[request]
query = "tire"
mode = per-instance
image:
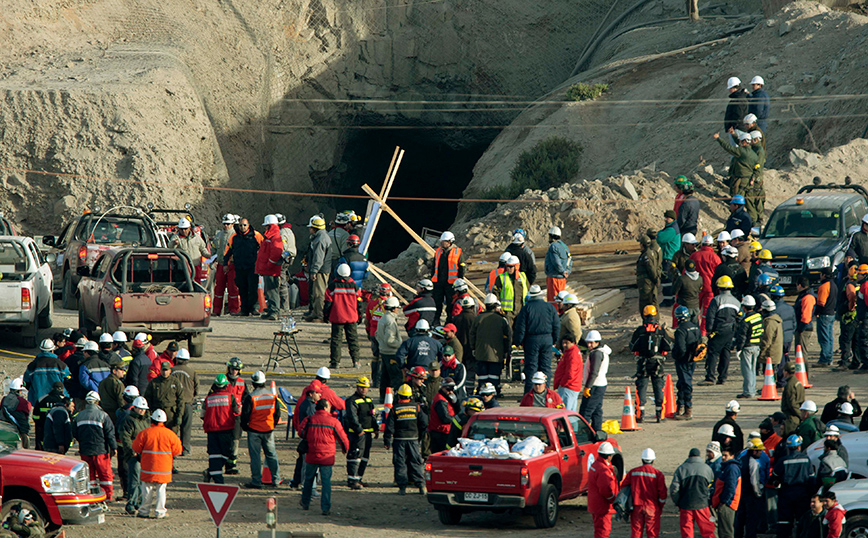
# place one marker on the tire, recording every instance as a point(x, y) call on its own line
point(68, 299)
point(45, 320)
point(27, 505)
point(856, 527)
point(449, 516)
point(196, 345)
point(545, 514)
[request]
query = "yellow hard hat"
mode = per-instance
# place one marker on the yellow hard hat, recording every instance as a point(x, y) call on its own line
point(755, 246)
point(649, 310)
point(363, 382)
point(755, 444)
point(724, 282)
point(475, 404)
point(862, 269)
point(764, 254)
point(405, 391)
point(317, 223)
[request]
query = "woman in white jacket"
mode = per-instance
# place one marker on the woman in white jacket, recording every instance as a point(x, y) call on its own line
point(594, 380)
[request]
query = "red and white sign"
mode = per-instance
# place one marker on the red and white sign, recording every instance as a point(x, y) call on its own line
point(218, 499)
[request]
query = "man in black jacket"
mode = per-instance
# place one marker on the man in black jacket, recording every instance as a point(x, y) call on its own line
point(242, 251)
point(687, 338)
point(536, 330)
point(361, 428)
point(688, 211)
point(737, 107)
point(732, 409)
point(526, 258)
point(137, 373)
point(650, 345)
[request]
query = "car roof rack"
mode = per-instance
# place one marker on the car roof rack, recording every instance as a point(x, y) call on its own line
point(835, 186)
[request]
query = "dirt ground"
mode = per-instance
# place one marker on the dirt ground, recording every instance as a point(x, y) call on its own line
point(378, 508)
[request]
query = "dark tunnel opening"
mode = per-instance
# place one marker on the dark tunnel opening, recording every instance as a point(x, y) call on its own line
point(431, 168)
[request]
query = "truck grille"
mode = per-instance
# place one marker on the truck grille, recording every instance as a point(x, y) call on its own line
point(789, 266)
point(80, 472)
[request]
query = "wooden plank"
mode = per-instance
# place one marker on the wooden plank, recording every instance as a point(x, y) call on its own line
point(384, 192)
point(385, 207)
point(376, 272)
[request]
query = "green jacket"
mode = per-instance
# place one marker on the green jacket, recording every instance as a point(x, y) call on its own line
point(811, 429)
point(761, 164)
point(648, 266)
point(793, 397)
point(132, 426)
point(744, 162)
point(669, 240)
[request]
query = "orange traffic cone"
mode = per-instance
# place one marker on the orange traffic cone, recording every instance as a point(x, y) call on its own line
point(260, 290)
point(387, 407)
point(266, 476)
point(628, 416)
point(770, 391)
point(669, 398)
point(801, 370)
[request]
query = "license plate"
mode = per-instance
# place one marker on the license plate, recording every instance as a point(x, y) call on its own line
point(100, 518)
point(786, 280)
point(476, 497)
point(162, 326)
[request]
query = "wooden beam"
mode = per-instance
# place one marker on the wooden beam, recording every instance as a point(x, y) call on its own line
point(381, 272)
point(387, 188)
point(384, 192)
point(376, 272)
point(370, 192)
point(389, 172)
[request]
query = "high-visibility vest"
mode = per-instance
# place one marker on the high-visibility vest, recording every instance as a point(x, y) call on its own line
point(238, 389)
point(218, 412)
point(158, 445)
point(451, 262)
point(755, 321)
point(507, 293)
point(262, 415)
point(492, 276)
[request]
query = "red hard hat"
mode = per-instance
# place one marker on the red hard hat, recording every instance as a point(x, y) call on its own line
point(353, 239)
point(420, 372)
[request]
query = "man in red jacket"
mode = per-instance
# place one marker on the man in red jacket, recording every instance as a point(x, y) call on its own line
point(320, 385)
point(706, 260)
point(166, 356)
point(219, 412)
point(568, 375)
point(321, 431)
point(269, 264)
point(834, 520)
point(602, 488)
point(542, 396)
point(341, 309)
point(648, 490)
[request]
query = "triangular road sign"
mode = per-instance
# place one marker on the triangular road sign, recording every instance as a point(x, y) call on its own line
point(218, 499)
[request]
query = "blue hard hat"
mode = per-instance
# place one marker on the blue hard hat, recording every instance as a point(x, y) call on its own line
point(737, 200)
point(682, 312)
point(520, 231)
point(794, 441)
point(777, 291)
point(764, 279)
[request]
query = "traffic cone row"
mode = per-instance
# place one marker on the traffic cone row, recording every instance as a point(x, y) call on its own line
point(628, 416)
point(770, 391)
point(669, 398)
point(801, 370)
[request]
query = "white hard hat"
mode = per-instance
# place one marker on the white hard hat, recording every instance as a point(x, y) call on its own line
point(732, 252)
point(732, 82)
point(689, 238)
point(183, 354)
point(831, 429)
point(159, 416)
point(571, 299)
point(183, 224)
point(119, 336)
point(538, 378)
point(269, 219)
point(447, 236)
point(344, 270)
point(756, 135)
point(487, 388)
point(92, 397)
point(750, 118)
point(17, 384)
point(648, 455)
point(846, 408)
point(735, 234)
point(422, 325)
point(504, 257)
point(724, 236)
point(726, 430)
point(141, 337)
point(106, 338)
point(140, 403)
point(459, 284)
point(754, 435)
point(769, 305)
point(733, 407)
point(559, 298)
point(707, 240)
point(281, 218)
point(865, 219)
point(535, 291)
point(90, 345)
point(228, 218)
point(131, 391)
point(758, 80)
point(425, 284)
point(47, 345)
point(743, 136)
point(491, 299)
point(554, 230)
point(513, 260)
point(592, 336)
point(606, 449)
point(258, 377)
point(517, 239)
point(809, 406)
point(392, 302)
point(324, 373)
point(468, 302)
point(748, 301)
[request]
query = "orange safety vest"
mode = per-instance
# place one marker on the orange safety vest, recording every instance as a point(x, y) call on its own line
point(262, 415)
point(492, 277)
point(451, 262)
point(157, 445)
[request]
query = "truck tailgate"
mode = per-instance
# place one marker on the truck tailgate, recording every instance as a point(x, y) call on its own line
point(169, 309)
point(489, 475)
point(10, 296)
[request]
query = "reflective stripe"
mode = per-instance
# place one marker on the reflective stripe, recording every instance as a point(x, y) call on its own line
point(154, 452)
point(155, 472)
point(421, 309)
point(643, 473)
point(344, 290)
point(727, 305)
point(89, 423)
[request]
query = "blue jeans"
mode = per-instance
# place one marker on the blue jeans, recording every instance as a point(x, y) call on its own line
point(256, 444)
point(570, 398)
point(824, 337)
point(134, 469)
point(537, 358)
point(325, 476)
point(748, 360)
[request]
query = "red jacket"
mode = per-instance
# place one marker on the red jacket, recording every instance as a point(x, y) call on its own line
point(269, 259)
point(342, 301)
point(338, 403)
point(569, 371)
point(706, 260)
point(834, 521)
point(373, 312)
point(647, 485)
point(157, 363)
point(220, 411)
point(602, 487)
point(321, 430)
point(679, 198)
point(552, 398)
point(151, 352)
point(435, 423)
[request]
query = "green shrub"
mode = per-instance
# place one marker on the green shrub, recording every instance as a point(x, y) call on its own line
point(586, 92)
point(550, 163)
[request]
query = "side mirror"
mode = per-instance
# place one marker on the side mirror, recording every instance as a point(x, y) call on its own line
point(601, 436)
point(83, 270)
point(48, 240)
point(51, 257)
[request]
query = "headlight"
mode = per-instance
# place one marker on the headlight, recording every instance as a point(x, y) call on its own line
point(57, 483)
point(819, 263)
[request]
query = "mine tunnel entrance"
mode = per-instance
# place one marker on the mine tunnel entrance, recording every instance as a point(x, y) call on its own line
point(432, 168)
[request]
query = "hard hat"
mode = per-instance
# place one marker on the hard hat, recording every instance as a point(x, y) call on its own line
point(726, 430)
point(491, 299)
point(459, 285)
point(422, 325)
point(865, 218)
point(92, 397)
point(344, 217)
point(862, 269)
point(392, 302)
point(707, 240)
point(756, 135)
point(258, 377)
point(520, 231)
point(723, 236)
point(517, 239)
point(425, 284)
point(140, 403)
point(777, 291)
point(571, 299)
point(757, 80)
point(504, 257)
point(269, 220)
point(419, 371)
point(764, 254)
point(794, 441)
point(592, 336)
point(831, 429)
point(363, 382)
point(221, 380)
point(732, 82)
point(344, 270)
point(729, 251)
point(846, 408)
point(606, 449)
point(769, 305)
point(323, 372)
point(317, 223)
point(47, 345)
point(159, 416)
point(447, 236)
point(689, 238)
point(81, 342)
point(228, 218)
point(648, 455)
point(513, 260)
point(90, 345)
point(735, 234)
point(555, 231)
point(405, 391)
point(234, 362)
point(385, 288)
point(682, 312)
point(559, 298)
point(353, 240)
point(474, 404)
point(755, 444)
point(649, 310)
point(183, 355)
point(733, 407)
point(809, 406)
point(281, 218)
point(183, 224)
point(534, 291)
point(680, 180)
point(17, 384)
point(131, 391)
point(487, 388)
point(538, 378)
point(738, 199)
point(468, 302)
point(24, 515)
point(447, 382)
point(141, 339)
point(748, 301)
point(106, 338)
point(119, 336)
point(743, 136)
point(764, 279)
point(750, 118)
point(755, 246)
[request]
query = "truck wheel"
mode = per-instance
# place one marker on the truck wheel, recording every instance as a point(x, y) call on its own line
point(545, 515)
point(449, 516)
point(856, 527)
point(45, 320)
point(26, 505)
point(68, 299)
point(196, 345)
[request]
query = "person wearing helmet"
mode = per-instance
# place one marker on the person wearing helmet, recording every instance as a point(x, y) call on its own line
point(488, 394)
point(688, 247)
point(690, 491)
point(788, 317)
point(732, 269)
point(686, 290)
point(810, 428)
point(57, 435)
point(491, 343)
point(848, 311)
point(219, 413)
point(569, 374)
point(804, 307)
point(772, 339)
point(688, 210)
point(388, 339)
point(95, 368)
point(762, 266)
point(121, 415)
point(43, 408)
point(43, 372)
point(497, 271)
point(511, 289)
point(755, 194)
point(190, 243)
point(737, 105)
point(269, 266)
point(792, 399)
point(319, 258)
point(338, 235)
point(289, 253)
point(447, 266)
point(602, 489)
point(558, 264)
point(119, 346)
point(459, 293)
point(341, 309)
point(166, 392)
point(748, 334)
point(540, 395)
point(239, 389)
point(361, 426)
point(648, 272)
point(260, 413)
point(738, 217)
point(462, 322)
point(404, 425)
point(687, 339)
point(843, 419)
point(319, 385)
point(224, 274)
point(669, 240)
point(743, 161)
point(827, 307)
point(650, 345)
point(706, 260)
point(156, 446)
point(111, 389)
point(16, 410)
point(536, 330)
point(374, 310)
point(135, 422)
point(189, 380)
point(648, 492)
point(470, 407)
point(418, 350)
point(794, 475)
point(594, 380)
point(571, 323)
point(526, 259)
point(720, 322)
point(443, 408)
point(758, 103)
point(679, 182)
point(168, 355)
point(422, 306)
point(741, 243)
point(95, 433)
point(416, 378)
point(357, 262)
point(726, 431)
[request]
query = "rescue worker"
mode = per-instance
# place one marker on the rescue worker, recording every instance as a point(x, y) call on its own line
point(762, 267)
point(355, 260)
point(119, 346)
point(16, 410)
point(111, 389)
point(190, 243)
point(289, 253)
point(859, 242)
point(720, 321)
point(511, 288)
point(319, 256)
point(602, 489)
point(341, 309)
point(741, 243)
point(43, 408)
point(669, 240)
point(416, 379)
point(742, 164)
point(845, 395)
point(448, 265)
point(688, 247)
point(388, 342)
point(732, 409)
point(497, 271)
point(827, 306)
point(442, 411)
point(22, 522)
point(772, 339)
point(322, 432)
point(455, 370)
point(804, 308)
point(540, 395)
point(469, 407)
point(95, 433)
point(810, 429)
point(491, 342)
point(687, 338)
point(156, 447)
point(648, 491)
point(755, 192)
point(403, 426)
point(536, 330)
point(706, 260)
point(57, 437)
point(320, 385)
point(687, 289)
point(691, 490)
point(738, 217)
point(568, 375)
point(571, 323)
point(526, 258)
point(418, 350)
point(727, 493)
point(167, 393)
point(748, 333)
point(731, 268)
point(758, 104)
point(755, 470)
point(688, 210)
point(260, 413)
point(94, 369)
point(135, 423)
point(650, 345)
point(463, 323)
point(847, 311)
point(241, 252)
point(189, 380)
point(488, 395)
point(558, 264)
point(421, 307)
point(788, 318)
point(269, 266)
point(224, 274)
point(73, 362)
point(832, 468)
point(647, 274)
point(219, 413)
point(374, 310)
point(238, 387)
point(594, 381)
point(792, 399)
point(795, 476)
point(737, 106)
point(459, 293)
point(43, 372)
point(361, 426)
point(338, 235)
point(168, 355)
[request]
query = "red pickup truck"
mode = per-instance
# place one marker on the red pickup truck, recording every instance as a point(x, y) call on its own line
point(457, 484)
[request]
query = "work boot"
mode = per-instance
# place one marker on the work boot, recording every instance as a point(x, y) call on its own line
point(354, 485)
point(679, 411)
point(706, 382)
point(232, 470)
point(402, 490)
point(422, 490)
point(640, 416)
point(658, 414)
point(688, 414)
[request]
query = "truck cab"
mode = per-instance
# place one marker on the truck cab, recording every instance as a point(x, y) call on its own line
point(26, 299)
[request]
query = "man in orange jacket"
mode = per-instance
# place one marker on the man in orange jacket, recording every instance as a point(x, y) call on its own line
point(602, 488)
point(260, 412)
point(156, 446)
point(648, 490)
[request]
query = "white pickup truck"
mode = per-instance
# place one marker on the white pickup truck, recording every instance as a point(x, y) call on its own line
point(26, 303)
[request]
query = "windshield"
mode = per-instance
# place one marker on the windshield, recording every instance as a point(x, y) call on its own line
point(797, 222)
point(12, 257)
point(153, 271)
point(113, 230)
point(513, 431)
